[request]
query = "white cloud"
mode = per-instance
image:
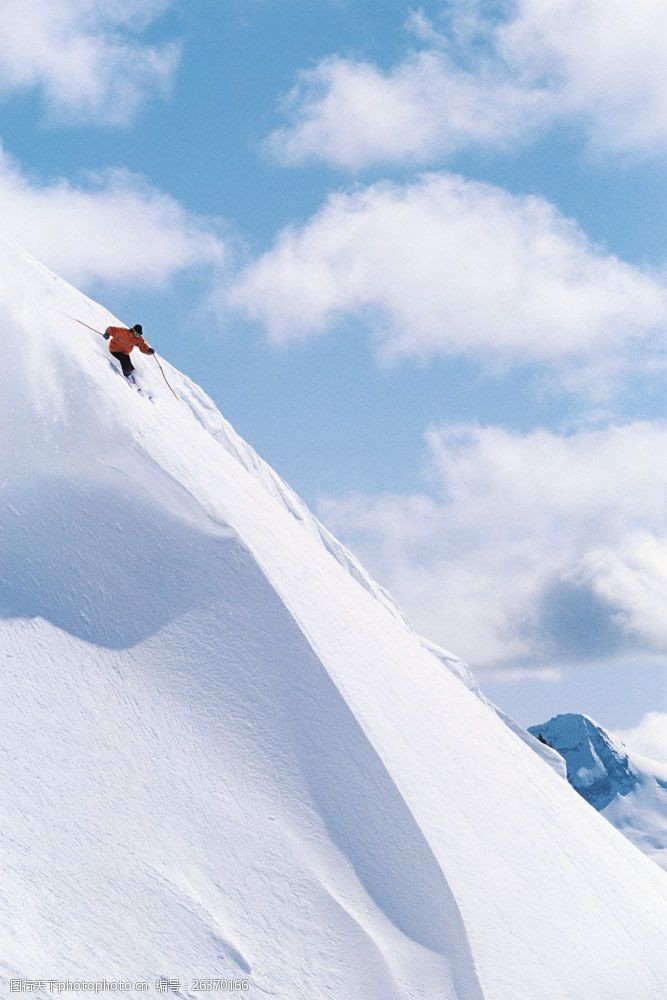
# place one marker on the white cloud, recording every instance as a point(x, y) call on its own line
point(604, 60)
point(648, 737)
point(483, 81)
point(445, 266)
point(509, 675)
point(352, 114)
point(632, 576)
point(85, 56)
point(538, 549)
point(116, 228)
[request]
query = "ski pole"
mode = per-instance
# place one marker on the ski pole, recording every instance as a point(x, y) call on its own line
point(164, 376)
point(84, 324)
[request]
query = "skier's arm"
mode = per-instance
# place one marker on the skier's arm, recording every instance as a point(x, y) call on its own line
point(144, 348)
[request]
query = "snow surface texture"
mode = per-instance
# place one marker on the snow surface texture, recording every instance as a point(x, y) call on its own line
point(630, 790)
point(222, 750)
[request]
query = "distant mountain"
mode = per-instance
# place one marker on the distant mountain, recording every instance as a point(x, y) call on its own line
point(630, 790)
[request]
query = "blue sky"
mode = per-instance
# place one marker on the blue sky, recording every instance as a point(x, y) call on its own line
point(417, 256)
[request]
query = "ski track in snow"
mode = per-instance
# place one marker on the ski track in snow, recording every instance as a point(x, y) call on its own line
point(223, 751)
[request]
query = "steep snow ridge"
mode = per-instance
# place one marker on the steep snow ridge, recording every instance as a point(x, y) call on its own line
point(630, 790)
point(460, 670)
point(222, 753)
point(208, 415)
point(53, 340)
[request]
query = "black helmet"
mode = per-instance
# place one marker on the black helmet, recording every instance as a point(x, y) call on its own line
point(138, 329)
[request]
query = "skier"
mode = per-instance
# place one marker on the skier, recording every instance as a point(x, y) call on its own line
point(122, 343)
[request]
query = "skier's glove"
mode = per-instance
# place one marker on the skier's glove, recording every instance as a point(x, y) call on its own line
point(151, 350)
point(106, 335)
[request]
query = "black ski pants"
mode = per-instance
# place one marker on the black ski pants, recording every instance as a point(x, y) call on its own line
point(125, 362)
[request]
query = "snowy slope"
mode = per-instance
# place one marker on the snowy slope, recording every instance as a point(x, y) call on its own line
point(630, 790)
point(222, 750)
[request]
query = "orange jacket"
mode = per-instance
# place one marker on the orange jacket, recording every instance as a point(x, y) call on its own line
point(122, 340)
